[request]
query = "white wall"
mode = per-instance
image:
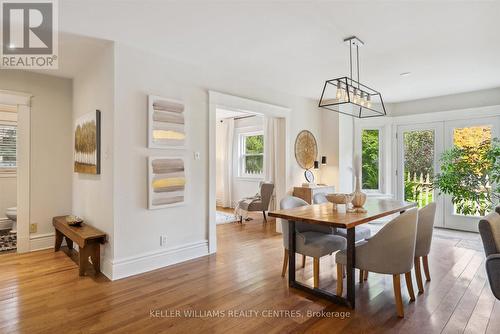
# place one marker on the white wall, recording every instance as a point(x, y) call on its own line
point(51, 145)
point(137, 230)
point(93, 196)
point(481, 98)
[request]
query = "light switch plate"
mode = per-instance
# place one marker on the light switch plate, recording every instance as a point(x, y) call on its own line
point(197, 155)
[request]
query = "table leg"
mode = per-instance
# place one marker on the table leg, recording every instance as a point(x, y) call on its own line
point(351, 262)
point(58, 241)
point(291, 252)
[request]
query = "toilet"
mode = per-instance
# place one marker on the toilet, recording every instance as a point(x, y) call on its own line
point(10, 213)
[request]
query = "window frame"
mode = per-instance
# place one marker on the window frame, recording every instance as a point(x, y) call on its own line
point(10, 171)
point(242, 154)
point(381, 170)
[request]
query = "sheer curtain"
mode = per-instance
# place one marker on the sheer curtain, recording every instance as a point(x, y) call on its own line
point(274, 154)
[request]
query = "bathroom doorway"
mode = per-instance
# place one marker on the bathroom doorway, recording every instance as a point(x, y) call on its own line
point(14, 171)
point(8, 178)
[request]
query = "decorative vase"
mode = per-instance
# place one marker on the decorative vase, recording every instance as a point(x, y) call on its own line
point(358, 197)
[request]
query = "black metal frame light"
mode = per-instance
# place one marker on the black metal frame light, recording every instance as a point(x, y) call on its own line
point(350, 97)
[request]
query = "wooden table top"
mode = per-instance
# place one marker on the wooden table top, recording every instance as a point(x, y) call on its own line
point(323, 213)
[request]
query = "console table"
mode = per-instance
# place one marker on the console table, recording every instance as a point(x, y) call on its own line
point(87, 238)
point(307, 193)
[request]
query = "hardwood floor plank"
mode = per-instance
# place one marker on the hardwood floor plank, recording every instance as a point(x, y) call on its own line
point(41, 292)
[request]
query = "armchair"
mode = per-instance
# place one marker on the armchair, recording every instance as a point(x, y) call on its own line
point(489, 229)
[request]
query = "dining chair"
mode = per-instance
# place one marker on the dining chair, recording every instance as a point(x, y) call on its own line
point(390, 251)
point(312, 240)
point(489, 229)
point(425, 227)
point(362, 232)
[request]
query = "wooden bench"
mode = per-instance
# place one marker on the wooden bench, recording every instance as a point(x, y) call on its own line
point(85, 236)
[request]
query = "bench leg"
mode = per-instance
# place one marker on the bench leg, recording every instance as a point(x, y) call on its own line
point(69, 242)
point(83, 259)
point(58, 241)
point(96, 258)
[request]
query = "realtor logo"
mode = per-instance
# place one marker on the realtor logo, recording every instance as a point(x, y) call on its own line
point(29, 34)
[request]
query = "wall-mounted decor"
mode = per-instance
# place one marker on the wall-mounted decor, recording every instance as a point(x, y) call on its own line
point(306, 149)
point(166, 182)
point(165, 123)
point(87, 154)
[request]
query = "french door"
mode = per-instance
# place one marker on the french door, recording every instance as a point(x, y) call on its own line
point(470, 133)
point(419, 148)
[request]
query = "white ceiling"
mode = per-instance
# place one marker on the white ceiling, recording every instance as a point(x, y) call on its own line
point(293, 46)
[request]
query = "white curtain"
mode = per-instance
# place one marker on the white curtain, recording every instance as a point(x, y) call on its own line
point(226, 164)
point(274, 154)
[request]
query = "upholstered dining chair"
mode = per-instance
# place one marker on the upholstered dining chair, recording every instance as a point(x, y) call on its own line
point(489, 229)
point(312, 240)
point(260, 202)
point(390, 251)
point(425, 227)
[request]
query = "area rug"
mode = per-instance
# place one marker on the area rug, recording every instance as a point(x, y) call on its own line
point(8, 242)
point(224, 218)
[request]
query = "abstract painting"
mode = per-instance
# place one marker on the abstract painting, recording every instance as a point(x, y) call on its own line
point(166, 123)
point(87, 154)
point(167, 182)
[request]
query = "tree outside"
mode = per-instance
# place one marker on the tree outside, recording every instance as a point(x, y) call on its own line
point(370, 159)
point(254, 154)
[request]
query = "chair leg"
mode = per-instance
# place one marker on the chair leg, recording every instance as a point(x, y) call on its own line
point(366, 275)
point(316, 272)
point(285, 263)
point(303, 261)
point(418, 275)
point(409, 285)
point(361, 275)
point(265, 219)
point(425, 262)
point(340, 279)
point(397, 295)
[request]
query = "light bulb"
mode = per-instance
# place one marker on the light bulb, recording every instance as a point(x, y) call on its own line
point(355, 97)
point(368, 101)
point(339, 95)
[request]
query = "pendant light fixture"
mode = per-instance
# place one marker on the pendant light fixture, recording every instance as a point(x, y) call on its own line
point(348, 96)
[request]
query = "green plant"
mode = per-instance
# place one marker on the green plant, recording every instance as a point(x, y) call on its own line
point(369, 158)
point(471, 175)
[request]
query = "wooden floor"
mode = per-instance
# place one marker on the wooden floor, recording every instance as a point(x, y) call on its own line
point(41, 293)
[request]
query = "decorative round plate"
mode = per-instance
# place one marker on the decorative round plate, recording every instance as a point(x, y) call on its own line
point(309, 176)
point(306, 149)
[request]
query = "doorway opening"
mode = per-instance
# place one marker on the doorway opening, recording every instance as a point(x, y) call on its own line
point(8, 178)
point(248, 160)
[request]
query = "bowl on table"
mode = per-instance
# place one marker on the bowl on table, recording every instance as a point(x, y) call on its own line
point(339, 199)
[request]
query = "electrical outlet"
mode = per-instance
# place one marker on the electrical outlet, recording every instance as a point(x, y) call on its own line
point(33, 227)
point(163, 240)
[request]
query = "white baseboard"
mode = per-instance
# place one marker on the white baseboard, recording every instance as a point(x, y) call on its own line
point(41, 241)
point(142, 263)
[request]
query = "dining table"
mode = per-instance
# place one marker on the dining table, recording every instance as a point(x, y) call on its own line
point(324, 214)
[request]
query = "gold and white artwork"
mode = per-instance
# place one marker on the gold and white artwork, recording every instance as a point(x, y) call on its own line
point(166, 123)
point(167, 182)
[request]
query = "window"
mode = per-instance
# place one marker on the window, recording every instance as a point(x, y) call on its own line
point(8, 139)
point(370, 159)
point(251, 154)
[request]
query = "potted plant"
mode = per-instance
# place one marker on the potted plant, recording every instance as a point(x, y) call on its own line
point(471, 176)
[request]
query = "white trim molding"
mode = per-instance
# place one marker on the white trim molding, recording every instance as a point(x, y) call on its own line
point(41, 241)
point(144, 262)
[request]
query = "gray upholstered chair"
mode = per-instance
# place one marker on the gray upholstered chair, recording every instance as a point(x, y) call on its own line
point(390, 251)
point(260, 202)
point(312, 240)
point(489, 228)
point(362, 232)
point(425, 227)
